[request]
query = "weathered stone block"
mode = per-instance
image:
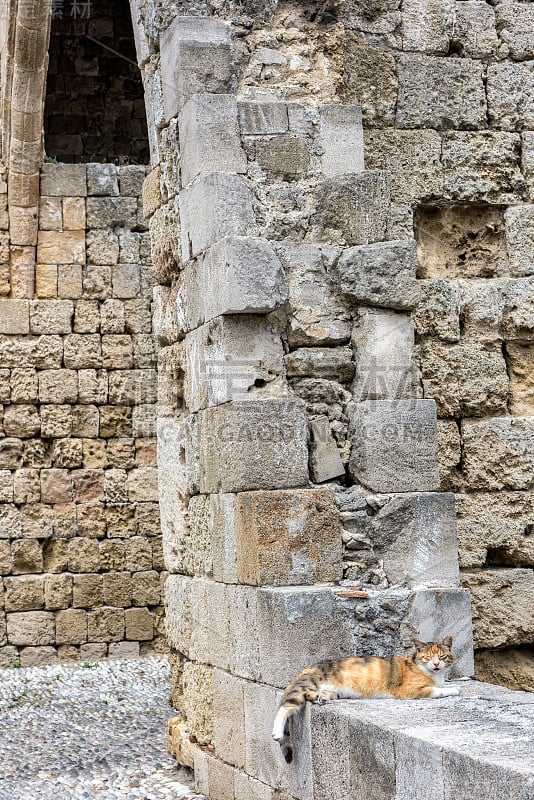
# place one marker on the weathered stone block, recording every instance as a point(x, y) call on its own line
point(139, 624)
point(230, 356)
point(370, 78)
point(31, 628)
point(27, 557)
point(260, 444)
point(57, 589)
point(46, 280)
point(209, 137)
point(56, 421)
point(59, 180)
point(482, 166)
point(394, 445)
point(102, 179)
point(108, 212)
point(229, 717)
point(106, 625)
point(519, 222)
point(61, 247)
point(71, 626)
point(357, 206)
point(213, 207)
point(514, 21)
point(22, 421)
point(437, 312)
point(507, 594)
point(51, 316)
point(15, 317)
point(474, 29)
point(341, 140)
point(102, 247)
point(257, 118)
point(58, 386)
point(498, 453)
point(24, 593)
point(321, 362)
point(383, 343)
point(73, 213)
point(465, 380)
point(263, 758)
point(412, 157)
point(286, 537)
point(424, 27)
point(285, 155)
point(325, 458)
point(196, 56)
point(440, 93)
point(381, 274)
point(511, 95)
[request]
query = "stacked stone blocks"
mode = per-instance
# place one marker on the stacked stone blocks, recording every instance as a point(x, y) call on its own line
point(80, 540)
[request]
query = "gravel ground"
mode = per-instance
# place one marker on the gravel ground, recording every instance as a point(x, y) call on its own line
point(92, 731)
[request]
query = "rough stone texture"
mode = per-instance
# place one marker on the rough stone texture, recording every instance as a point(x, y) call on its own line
point(381, 274)
point(482, 166)
point(394, 445)
point(355, 207)
point(383, 343)
point(497, 453)
point(412, 157)
point(509, 592)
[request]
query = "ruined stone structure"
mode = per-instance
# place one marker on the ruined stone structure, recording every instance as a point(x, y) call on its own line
point(341, 238)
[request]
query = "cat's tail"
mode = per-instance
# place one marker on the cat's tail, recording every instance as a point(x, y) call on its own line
point(303, 688)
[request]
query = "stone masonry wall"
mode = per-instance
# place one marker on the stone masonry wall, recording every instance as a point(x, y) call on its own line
point(80, 542)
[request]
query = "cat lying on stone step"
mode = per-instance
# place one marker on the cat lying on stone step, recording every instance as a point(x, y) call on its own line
point(422, 676)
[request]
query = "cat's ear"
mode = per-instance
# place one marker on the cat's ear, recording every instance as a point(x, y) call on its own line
point(418, 644)
point(447, 641)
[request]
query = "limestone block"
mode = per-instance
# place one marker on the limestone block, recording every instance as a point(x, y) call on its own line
point(261, 118)
point(126, 280)
point(229, 717)
point(102, 179)
point(230, 356)
point(56, 486)
point(106, 625)
point(412, 157)
point(214, 207)
point(263, 758)
point(285, 155)
point(15, 317)
point(22, 271)
point(24, 593)
point(527, 160)
point(238, 276)
point(325, 460)
point(394, 445)
point(320, 362)
point(318, 315)
point(50, 214)
point(438, 310)
point(474, 29)
point(383, 343)
point(117, 351)
point(73, 213)
point(82, 351)
point(6, 486)
point(56, 421)
point(83, 555)
point(30, 628)
point(86, 316)
point(514, 21)
point(57, 591)
point(196, 56)
point(46, 283)
point(357, 206)
point(86, 591)
point(517, 310)
point(22, 421)
point(440, 93)
point(341, 140)
point(56, 247)
point(102, 247)
point(58, 386)
point(519, 221)
point(424, 27)
point(498, 453)
point(108, 212)
point(71, 626)
point(370, 79)
point(381, 274)
point(112, 317)
point(298, 627)
point(260, 444)
point(27, 557)
point(146, 588)
point(132, 386)
point(465, 380)
point(519, 359)
point(10, 453)
point(58, 180)
point(209, 137)
point(142, 484)
point(117, 589)
point(115, 421)
point(131, 179)
point(511, 95)
point(11, 521)
point(5, 558)
point(288, 537)
point(93, 386)
point(505, 518)
point(482, 166)
point(503, 608)
point(139, 624)
point(51, 316)
point(93, 652)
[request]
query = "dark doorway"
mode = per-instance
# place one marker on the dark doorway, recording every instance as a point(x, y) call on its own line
point(94, 108)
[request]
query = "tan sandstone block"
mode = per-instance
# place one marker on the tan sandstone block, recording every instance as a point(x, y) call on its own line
point(56, 421)
point(57, 591)
point(61, 247)
point(139, 624)
point(146, 588)
point(38, 656)
point(86, 591)
point(25, 593)
point(46, 280)
point(56, 486)
point(71, 626)
point(69, 281)
point(117, 589)
point(106, 625)
point(27, 556)
point(15, 317)
point(520, 362)
point(83, 555)
point(73, 214)
point(31, 628)
point(21, 421)
point(55, 556)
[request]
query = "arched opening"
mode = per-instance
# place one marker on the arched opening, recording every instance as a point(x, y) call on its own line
point(94, 109)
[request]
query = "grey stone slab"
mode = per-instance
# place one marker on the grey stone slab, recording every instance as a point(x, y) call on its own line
point(261, 118)
point(214, 207)
point(196, 56)
point(380, 274)
point(209, 137)
point(355, 205)
point(253, 444)
point(383, 343)
point(394, 445)
point(341, 140)
point(59, 180)
point(325, 460)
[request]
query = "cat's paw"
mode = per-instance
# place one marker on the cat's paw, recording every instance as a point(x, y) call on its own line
point(453, 691)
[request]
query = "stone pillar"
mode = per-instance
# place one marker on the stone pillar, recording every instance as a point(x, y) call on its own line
point(293, 451)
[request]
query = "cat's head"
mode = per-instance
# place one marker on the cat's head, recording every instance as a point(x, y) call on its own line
point(433, 657)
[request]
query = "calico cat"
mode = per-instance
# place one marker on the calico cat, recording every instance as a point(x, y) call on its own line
point(422, 676)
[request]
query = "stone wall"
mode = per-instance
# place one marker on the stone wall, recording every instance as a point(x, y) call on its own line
point(94, 109)
point(80, 541)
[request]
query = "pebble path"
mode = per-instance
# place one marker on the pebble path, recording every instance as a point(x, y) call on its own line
point(88, 731)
